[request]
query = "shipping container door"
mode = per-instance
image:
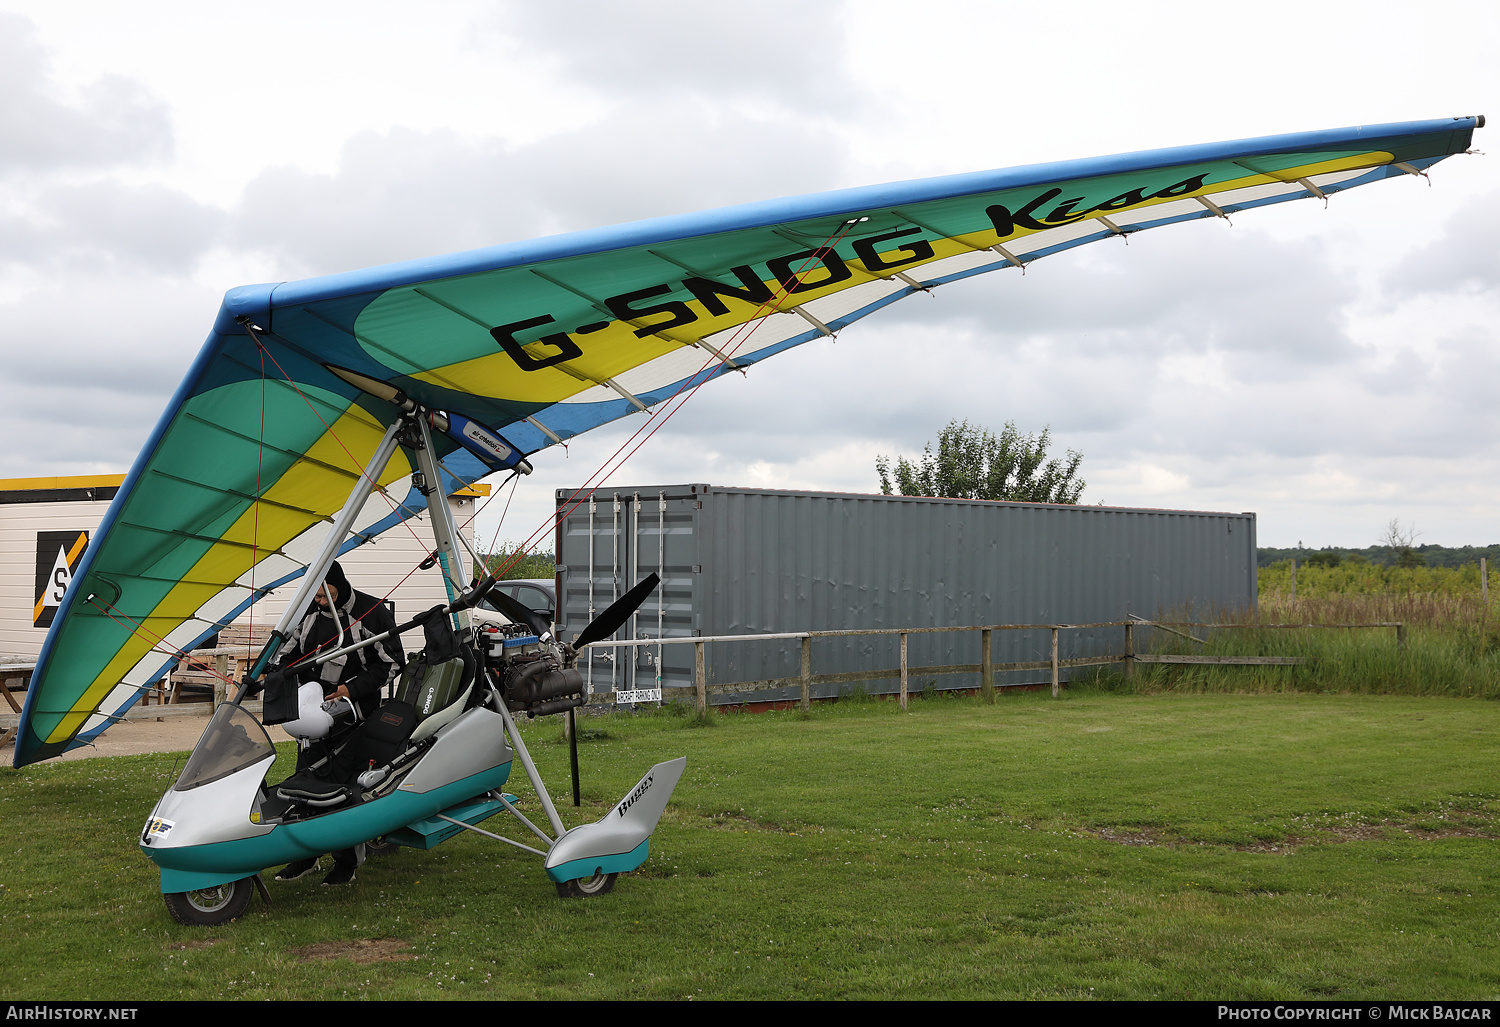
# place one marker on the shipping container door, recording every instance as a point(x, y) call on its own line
point(605, 546)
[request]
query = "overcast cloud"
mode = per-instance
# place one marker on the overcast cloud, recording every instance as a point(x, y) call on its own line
point(1329, 369)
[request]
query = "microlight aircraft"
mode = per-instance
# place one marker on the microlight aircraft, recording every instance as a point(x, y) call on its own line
point(354, 398)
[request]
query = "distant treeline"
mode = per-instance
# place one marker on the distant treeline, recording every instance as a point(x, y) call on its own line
point(521, 565)
point(1383, 556)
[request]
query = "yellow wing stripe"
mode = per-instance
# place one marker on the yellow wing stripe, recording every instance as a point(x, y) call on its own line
point(616, 349)
point(306, 484)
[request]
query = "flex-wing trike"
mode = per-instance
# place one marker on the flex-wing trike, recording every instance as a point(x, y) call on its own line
point(428, 765)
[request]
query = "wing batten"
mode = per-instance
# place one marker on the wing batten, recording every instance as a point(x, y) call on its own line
point(236, 493)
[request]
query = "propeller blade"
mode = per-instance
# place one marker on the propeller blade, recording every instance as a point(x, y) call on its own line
point(608, 622)
point(518, 612)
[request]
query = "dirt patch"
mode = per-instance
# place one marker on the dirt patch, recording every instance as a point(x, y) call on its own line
point(1449, 832)
point(1420, 828)
point(1348, 833)
point(740, 822)
point(1125, 836)
point(357, 950)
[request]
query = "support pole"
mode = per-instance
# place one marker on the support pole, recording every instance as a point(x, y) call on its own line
point(317, 569)
point(1054, 662)
point(572, 727)
point(614, 572)
point(986, 667)
point(519, 745)
point(1484, 603)
point(700, 678)
point(1129, 651)
point(903, 670)
point(806, 673)
point(440, 514)
point(661, 572)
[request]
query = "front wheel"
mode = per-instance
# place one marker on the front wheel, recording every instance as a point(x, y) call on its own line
point(208, 907)
point(583, 887)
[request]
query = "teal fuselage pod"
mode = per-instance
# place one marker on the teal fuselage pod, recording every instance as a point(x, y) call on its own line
point(207, 829)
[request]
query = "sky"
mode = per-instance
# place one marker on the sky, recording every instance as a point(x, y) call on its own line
point(1330, 367)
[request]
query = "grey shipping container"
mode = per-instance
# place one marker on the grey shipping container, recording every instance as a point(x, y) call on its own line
point(746, 561)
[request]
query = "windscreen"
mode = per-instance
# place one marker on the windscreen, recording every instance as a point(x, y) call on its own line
point(234, 740)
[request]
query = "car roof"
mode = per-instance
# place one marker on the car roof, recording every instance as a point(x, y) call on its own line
point(545, 584)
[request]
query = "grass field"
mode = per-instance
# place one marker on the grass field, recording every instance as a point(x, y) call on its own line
point(1099, 845)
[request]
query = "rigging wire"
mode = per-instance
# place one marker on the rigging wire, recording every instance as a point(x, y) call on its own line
point(665, 411)
point(364, 471)
point(171, 651)
point(260, 450)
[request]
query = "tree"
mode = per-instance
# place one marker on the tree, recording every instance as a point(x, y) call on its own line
point(973, 463)
point(1402, 541)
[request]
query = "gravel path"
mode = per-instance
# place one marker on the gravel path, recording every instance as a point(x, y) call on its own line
point(175, 733)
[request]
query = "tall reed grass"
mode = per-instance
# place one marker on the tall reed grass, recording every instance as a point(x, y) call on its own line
point(1359, 578)
point(1451, 640)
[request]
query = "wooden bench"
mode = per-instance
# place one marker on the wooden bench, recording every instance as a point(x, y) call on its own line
point(17, 676)
point(201, 675)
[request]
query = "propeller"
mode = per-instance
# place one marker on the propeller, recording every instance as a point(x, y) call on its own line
point(519, 613)
point(608, 622)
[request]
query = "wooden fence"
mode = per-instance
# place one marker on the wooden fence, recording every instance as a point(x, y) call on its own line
point(225, 661)
point(987, 668)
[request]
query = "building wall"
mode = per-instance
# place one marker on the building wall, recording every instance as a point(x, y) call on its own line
point(19, 525)
point(383, 567)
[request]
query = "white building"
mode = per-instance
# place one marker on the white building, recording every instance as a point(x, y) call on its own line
point(46, 522)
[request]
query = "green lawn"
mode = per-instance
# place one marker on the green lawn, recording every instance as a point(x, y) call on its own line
point(1098, 845)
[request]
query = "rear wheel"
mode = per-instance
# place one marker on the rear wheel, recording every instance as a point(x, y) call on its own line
point(208, 907)
point(583, 887)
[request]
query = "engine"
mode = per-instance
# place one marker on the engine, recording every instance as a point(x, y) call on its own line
point(530, 674)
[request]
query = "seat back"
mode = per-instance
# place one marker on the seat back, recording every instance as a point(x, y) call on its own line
point(380, 738)
point(439, 692)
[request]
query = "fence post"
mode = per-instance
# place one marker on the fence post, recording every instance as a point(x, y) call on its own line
point(700, 677)
point(806, 673)
point(1400, 636)
point(1054, 661)
point(903, 670)
point(986, 667)
point(1129, 650)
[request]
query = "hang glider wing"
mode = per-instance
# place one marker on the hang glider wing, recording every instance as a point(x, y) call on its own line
point(541, 340)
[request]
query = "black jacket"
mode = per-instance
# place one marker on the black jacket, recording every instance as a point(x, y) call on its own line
point(364, 673)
